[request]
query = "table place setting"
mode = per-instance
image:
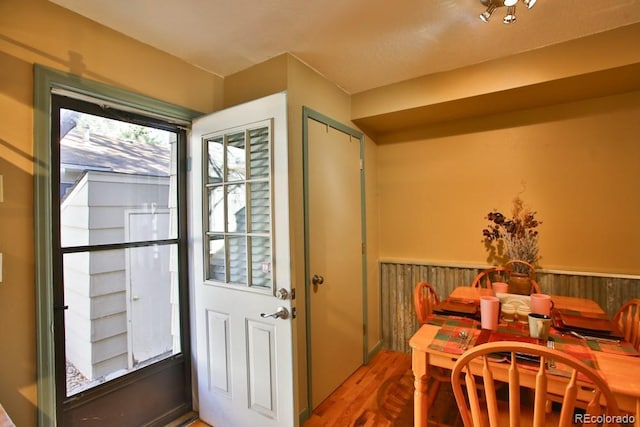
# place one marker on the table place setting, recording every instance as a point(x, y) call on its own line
point(590, 326)
point(446, 336)
point(596, 343)
point(522, 318)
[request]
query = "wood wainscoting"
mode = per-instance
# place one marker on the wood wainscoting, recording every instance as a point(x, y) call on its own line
point(398, 280)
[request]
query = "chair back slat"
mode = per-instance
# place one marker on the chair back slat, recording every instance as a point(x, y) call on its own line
point(490, 393)
point(540, 399)
point(570, 394)
point(474, 402)
point(514, 393)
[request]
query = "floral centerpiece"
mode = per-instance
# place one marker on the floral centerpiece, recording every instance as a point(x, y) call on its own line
point(514, 238)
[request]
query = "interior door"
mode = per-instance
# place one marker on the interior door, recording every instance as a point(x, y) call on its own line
point(241, 265)
point(335, 242)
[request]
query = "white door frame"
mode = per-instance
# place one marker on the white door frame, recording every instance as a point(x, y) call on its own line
point(309, 114)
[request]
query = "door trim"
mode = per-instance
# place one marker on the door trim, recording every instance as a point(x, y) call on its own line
point(47, 80)
point(309, 114)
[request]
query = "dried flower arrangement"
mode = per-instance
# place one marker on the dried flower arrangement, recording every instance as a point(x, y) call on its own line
point(513, 238)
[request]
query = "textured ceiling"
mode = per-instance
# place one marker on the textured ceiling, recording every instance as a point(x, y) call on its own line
point(358, 44)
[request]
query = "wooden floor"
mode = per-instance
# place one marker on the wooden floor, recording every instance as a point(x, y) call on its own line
point(379, 394)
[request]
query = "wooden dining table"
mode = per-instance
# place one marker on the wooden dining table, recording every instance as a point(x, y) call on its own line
point(621, 372)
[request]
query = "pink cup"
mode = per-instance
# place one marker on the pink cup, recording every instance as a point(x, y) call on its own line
point(500, 287)
point(541, 304)
point(489, 312)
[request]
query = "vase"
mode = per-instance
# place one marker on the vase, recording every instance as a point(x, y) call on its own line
point(519, 283)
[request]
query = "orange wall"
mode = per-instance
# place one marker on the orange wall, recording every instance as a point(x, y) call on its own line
point(575, 163)
point(426, 196)
point(36, 31)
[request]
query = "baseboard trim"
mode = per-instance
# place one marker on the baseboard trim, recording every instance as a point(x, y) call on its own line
point(374, 350)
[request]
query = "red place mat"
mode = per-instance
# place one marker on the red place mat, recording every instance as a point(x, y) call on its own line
point(623, 348)
point(449, 340)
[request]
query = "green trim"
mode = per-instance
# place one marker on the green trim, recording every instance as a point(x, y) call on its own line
point(376, 348)
point(304, 415)
point(112, 94)
point(308, 113)
point(45, 80)
point(43, 254)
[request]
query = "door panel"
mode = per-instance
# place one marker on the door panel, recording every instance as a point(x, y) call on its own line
point(261, 349)
point(219, 372)
point(240, 257)
point(335, 251)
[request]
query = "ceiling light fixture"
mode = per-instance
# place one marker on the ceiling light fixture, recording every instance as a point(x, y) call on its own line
point(510, 16)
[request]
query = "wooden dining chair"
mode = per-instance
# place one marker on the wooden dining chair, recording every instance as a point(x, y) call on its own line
point(628, 321)
point(486, 277)
point(425, 298)
point(478, 364)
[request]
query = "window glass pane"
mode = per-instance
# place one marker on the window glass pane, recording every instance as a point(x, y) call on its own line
point(215, 160)
point(238, 259)
point(260, 261)
point(110, 172)
point(123, 312)
point(216, 209)
point(236, 205)
point(236, 157)
point(259, 201)
point(240, 207)
point(259, 165)
point(216, 258)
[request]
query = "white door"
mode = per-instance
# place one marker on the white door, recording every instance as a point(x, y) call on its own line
point(335, 258)
point(241, 265)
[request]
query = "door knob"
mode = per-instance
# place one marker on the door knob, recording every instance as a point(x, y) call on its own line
point(280, 313)
point(317, 280)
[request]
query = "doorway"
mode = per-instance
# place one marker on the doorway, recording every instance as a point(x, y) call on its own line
point(111, 251)
point(335, 248)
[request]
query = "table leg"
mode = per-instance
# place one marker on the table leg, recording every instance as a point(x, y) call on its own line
point(420, 366)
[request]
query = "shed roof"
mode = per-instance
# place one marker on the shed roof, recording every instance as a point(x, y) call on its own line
point(86, 151)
